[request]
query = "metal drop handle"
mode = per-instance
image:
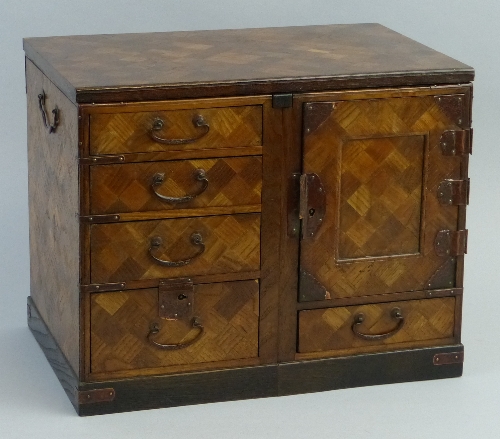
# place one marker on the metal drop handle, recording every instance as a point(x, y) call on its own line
point(155, 329)
point(198, 122)
point(199, 175)
point(360, 318)
point(196, 240)
point(41, 103)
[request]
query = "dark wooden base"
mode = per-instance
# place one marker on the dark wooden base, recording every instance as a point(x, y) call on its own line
point(244, 383)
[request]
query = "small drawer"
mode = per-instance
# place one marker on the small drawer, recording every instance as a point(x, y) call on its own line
point(175, 130)
point(380, 325)
point(174, 247)
point(127, 332)
point(150, 186)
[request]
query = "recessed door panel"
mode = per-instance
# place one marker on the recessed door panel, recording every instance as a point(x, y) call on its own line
point(381, 164)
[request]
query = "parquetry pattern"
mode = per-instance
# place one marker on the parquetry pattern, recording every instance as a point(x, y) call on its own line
point(380, 196)
point(120, 323)
point(119, 251)
point(127, 187)
point(130, 132)
point(372, 186)
point(329, 329)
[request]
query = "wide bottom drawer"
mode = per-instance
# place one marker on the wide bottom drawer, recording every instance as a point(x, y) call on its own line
point(381, 325)
point(127, 332)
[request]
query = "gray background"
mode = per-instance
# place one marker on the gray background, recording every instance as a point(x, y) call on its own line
point(32, 404)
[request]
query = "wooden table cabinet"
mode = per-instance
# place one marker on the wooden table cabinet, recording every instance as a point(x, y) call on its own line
point(221, 215)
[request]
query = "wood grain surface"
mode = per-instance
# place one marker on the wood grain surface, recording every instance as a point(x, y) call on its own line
point(426, 320)
point(381, 165)
point(53, 210)
point(130, 132)
point(105, 68)
point(120, 251)
point(128, 187)
point(120, 323)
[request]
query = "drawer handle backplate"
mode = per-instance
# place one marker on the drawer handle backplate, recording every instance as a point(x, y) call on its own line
point(196, 240)
point(155, 329)
point(199, 175)
point(41, 103)
point(198, 121)
point(360, 318)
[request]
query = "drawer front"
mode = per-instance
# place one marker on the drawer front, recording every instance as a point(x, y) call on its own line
point(175, 130)
point(196, 246)
point(182, 184)
point(121, 322)
point(341, 328)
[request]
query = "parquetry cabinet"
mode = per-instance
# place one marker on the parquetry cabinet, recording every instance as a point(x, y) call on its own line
point(233, 214)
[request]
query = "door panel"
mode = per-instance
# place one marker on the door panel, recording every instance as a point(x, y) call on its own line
point(381, 164)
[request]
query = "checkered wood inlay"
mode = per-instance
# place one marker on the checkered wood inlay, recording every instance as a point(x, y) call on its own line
point(127, 187)
point(330, 329)
point(381, 196)
point(120, 323)
point(381, 165)
point(130, 132)
point(120, 251)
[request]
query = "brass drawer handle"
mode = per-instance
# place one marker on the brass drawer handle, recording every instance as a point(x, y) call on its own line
point(359, 319)
point(196, 240)
point(155, 329)
point(41, 103)
point(199, 175)
point(198, 122)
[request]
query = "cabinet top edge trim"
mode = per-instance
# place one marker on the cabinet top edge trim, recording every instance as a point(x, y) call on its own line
point(192, 64)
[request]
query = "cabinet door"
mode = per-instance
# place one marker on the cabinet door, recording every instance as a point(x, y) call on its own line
point(386, 170)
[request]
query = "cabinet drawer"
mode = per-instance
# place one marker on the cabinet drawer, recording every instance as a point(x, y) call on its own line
point(174, 247)
point(358, 327)
point(174, 130)
point(151, 186)
point(121, 323)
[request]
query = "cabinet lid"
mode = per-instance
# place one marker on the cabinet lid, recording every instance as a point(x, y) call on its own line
point(150, 66)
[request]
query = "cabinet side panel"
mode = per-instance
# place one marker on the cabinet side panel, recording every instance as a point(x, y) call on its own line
point(53, 210)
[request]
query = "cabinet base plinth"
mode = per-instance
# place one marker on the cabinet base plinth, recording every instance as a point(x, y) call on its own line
point(241, 383)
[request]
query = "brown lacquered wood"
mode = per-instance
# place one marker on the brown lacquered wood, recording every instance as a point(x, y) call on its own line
point(378, 194)
point(129, 187)
point(380, 298)
point(120, 323)
point(53, 209)
point(130, 132)
point(427, 321)
point(245, 115)
point(120, 251)
point(229, 62)
point(289, 238)
point(270, 234)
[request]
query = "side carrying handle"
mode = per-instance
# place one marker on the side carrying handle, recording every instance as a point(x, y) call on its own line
point(360, 318)
point(198, 122)
point(41, 103)
point(155, 329)
point(199, 175)
point(196, 240)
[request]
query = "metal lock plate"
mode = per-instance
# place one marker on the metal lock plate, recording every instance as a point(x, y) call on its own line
point(176, 299)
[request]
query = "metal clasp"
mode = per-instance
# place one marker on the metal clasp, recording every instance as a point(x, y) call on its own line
point(175, 299)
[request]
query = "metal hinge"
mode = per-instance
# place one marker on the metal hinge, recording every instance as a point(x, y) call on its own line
point(454, 192)
point(102, 160)
point(448, 358)
point(451, 243)
point(96, 395)
point(455, 143)
point(282, 100)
